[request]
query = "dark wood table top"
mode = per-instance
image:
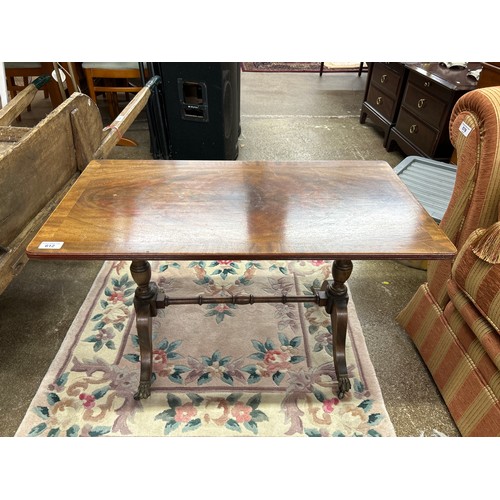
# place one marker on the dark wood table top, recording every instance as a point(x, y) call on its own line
point(456, 79)
point(183, 210)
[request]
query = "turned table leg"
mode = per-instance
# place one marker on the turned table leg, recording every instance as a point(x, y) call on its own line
point(145, 309)
point(336, 306)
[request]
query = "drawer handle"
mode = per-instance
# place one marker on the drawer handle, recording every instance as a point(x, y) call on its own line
point(383, 78)
point(427, 84)
point(379, 101)
point(421, 103)
point(413, 129)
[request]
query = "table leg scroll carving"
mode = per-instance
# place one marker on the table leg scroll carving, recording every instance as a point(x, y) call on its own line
point(337, 298)
point(145, 308)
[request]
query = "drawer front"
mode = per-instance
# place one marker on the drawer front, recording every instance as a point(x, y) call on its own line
point(381, 102)
point(385, 78)
point(430, 86)
point(425, 106)
point(417, 132)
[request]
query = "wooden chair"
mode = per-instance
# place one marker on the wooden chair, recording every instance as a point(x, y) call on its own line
point(322, 67)
point(14, 71)
point(112, 78)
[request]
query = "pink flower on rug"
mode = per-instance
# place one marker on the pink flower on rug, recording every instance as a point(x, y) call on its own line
point(221, 308)
point(89, 400)
point(105, 334)
point(276, 360)
point(317, 262)
point(116, 296)
point(159, 357)
point(185, 413)
point(160, 364)
point(224, 262)
point(329, 404)
point(241, 412)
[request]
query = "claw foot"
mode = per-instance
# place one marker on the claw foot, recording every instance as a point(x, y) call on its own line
point(344, 386)
point(144, 391)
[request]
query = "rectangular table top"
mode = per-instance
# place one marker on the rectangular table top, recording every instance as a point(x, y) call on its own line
point(183, 210)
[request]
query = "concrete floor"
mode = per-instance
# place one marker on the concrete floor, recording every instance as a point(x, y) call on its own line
point(284, 116)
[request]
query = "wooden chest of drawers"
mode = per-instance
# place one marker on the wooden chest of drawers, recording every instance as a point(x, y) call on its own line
point(431, 91)
point(384, 89)
point(490, 75)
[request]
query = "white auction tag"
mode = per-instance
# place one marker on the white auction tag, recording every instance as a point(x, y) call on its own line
point(52, 245)
point(465, 129)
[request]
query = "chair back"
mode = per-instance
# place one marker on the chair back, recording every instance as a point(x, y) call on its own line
point(475, 133)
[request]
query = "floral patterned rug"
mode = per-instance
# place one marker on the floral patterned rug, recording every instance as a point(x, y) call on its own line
point(300, 67)
point(219, 370)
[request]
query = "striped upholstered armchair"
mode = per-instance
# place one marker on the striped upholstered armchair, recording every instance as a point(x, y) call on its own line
point(454, 318)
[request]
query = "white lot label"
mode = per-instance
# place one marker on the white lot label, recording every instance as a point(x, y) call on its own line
point(465, 129)
point(53, 245)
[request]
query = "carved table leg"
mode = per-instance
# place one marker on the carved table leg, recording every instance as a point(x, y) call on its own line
point(145, 308)
point(336, 306)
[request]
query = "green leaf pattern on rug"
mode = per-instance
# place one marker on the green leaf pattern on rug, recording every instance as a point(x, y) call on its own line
point(163, 357)
point(224, 268)
point(352, 420)
point(273, 360)
point(205, 370)
point(58, 415)
point(220, 311)
point(214, 275)
point(115, 310)
point(191, 411)
point(281, 268)
point(165, 266)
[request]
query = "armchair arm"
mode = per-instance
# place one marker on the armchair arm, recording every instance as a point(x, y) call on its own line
point(475, 134)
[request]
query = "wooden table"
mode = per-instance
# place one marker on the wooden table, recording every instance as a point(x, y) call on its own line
point(217, 210)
